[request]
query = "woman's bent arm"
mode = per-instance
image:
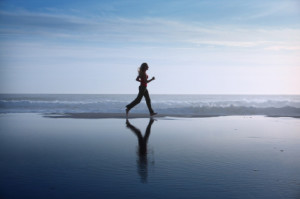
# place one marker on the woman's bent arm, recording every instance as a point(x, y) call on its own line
point(153, 78)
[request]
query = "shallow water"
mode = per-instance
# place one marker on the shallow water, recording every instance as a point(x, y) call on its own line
point(221, 157)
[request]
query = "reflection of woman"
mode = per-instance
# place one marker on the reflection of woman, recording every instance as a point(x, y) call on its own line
point(143, 161)
point(143, 78)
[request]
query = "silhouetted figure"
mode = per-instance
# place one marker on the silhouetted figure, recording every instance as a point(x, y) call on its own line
point(143, 78)
point(142, 152)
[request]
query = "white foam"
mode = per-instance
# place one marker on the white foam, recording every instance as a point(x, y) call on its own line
point(173, 104)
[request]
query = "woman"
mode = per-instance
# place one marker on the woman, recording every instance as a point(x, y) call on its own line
point(143, 78)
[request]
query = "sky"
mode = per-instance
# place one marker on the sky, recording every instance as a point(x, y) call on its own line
point(191, 46)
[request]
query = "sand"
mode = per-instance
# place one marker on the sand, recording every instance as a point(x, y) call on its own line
point(144, 115)
point(107, 156)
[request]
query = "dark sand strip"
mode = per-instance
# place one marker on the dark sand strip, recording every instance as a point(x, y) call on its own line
point(118, 115)
point(144, 115)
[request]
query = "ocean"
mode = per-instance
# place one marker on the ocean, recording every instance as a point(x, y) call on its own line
point(205, 105)
point(236, 156)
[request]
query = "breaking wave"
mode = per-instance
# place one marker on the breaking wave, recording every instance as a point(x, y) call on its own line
point(206, 105)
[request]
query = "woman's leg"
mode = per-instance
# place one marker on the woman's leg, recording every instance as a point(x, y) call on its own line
point(148, 101)
point(137, 99)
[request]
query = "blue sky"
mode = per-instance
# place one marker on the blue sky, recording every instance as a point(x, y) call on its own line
point(192, 47)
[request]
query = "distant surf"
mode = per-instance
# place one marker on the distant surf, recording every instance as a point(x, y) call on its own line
point(188, 105)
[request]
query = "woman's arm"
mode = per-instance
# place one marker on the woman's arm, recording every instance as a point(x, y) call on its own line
point(142, 78)
point(138, 79)
point(153, 78)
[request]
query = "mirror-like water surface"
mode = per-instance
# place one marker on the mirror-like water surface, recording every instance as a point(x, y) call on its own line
point(221, 157)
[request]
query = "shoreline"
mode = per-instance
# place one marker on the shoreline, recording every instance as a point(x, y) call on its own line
point(120, 115)
point(143, 115)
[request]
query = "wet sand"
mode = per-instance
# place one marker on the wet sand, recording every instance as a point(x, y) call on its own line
point(142, 115)
point(107, 156)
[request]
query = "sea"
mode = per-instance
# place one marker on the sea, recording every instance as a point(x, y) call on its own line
point(190, 105)
point(164, 157)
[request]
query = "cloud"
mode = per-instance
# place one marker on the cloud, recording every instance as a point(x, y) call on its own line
point(268, 12)
point(282, 47)
point(28, 20)
point(155, 32)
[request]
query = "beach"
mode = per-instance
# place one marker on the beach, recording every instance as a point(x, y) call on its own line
point(149, 99)
point(43, 156)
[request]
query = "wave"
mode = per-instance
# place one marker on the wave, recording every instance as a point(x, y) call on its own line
point(202, 105)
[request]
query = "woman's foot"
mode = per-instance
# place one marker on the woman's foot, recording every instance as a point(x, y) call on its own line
point(152, 114)
point(127, 111)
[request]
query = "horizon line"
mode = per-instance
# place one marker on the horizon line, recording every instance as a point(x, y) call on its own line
point(136, 94)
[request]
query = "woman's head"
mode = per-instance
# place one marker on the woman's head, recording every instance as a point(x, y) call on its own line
point(143, 68)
